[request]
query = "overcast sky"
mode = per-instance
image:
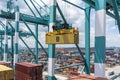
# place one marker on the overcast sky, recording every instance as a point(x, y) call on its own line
point(74, 16)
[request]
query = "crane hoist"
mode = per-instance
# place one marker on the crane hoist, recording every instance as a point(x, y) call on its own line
point(65, 35)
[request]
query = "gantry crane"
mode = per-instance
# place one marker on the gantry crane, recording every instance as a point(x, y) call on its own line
point(57, 33)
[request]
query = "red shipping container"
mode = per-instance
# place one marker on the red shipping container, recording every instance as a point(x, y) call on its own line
point(28, 71)
point(25, 68)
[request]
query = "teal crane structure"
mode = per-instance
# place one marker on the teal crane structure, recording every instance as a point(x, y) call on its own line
point(102, 7)
point(10, 32)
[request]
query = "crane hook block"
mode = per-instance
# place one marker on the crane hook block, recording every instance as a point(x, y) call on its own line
point(64, 36)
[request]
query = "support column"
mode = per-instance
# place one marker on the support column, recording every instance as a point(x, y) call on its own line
point(87, 38)
point(0, 47)
point(100, 25)
point(51, 47)
point(6, 41)
point(36, 43)
point(16, 34)
point(12, 48)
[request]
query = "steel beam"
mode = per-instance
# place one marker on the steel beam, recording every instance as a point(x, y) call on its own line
point(1, 23)
point(80, 52)
point(42, 7)
point(92, 4)
point(36, 8)
point(27, 18)
point(87, 38)
point(116, 12)
point(30, 8)
point(27, 46)
point(61, 13)
point(35, 37)
point(44, 3)
point(74, 4)
point(36, 43)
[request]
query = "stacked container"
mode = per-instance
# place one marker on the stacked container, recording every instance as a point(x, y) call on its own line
point(6, 73)
point(28, 71)
point(3, 63)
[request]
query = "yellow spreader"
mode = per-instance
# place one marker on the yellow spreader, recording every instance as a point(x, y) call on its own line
point(64, 36)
